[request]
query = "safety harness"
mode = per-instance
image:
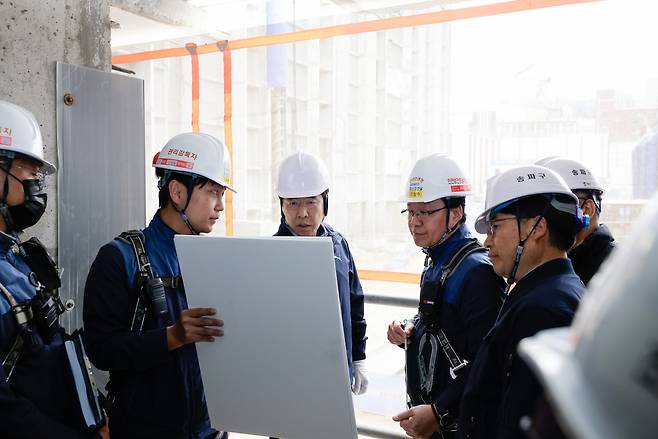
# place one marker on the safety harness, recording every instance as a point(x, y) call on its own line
point(151, 292)
point(23, 315)
point(41, 315)
point(43, 311)
point(434, 334)
point(150, 286)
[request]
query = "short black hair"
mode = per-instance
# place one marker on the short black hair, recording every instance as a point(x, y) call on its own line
point(562, 226)
point(452, 202)
point(163, 195)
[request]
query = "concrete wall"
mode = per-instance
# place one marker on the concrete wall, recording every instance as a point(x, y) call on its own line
point(34, 34)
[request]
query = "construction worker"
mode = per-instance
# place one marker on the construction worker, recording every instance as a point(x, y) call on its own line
point(38, 397)
point(460, 296)
point(531, 218)
point(137, 321)
point(303, 190)
point(595, 242)
point(601, 375)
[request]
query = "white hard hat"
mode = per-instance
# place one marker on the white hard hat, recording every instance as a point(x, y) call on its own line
point(20, 134)
point(577, 175)
point(520, 182)
point(601, 375)
point(436, 176)
point(198, 154)
point(542, 162)
point(302, 175)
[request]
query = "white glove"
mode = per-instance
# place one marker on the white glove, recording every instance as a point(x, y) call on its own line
point(359, 381)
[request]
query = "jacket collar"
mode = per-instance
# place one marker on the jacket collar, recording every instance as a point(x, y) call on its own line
point(286, 230)
point(161, 232)
point(439, 254)
point(597, 240)
point(540, 274)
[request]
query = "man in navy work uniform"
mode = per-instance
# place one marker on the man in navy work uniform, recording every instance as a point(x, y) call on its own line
point(460, 296)
point(601, 374)
point(595, 242)
point(531, 219)
point(303, 190)
point(136, 317)
point(37, 393)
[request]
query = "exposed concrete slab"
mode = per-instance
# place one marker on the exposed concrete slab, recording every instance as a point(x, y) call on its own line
point(174, 12)
point(33, 36)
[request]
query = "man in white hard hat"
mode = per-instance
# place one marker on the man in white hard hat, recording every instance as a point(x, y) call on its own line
point(37, 394)
point(531, 218)
point(595, 242)
point(303, 190)
point(460, 296)
point(601, 375)
point(137, 322)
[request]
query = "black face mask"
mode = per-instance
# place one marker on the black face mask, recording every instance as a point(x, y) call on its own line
point(31, 210)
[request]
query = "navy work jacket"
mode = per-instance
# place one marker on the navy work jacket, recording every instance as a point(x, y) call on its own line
point(350, 293)
point(38, 401)
point(470, 301)
point(590, 254)
point(501, 389)
point(159, 394)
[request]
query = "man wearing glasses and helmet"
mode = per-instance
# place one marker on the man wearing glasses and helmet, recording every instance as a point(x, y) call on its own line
point(460, 296)
point(531, 219)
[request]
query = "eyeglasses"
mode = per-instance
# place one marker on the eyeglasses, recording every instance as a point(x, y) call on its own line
point(583, 200)
point(33, 170)
point(295, 204)
point(421, 214)
point(492, 225)
point(34, 173)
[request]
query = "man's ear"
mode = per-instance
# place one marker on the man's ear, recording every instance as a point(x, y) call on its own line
point(177, 193)
point(456, 214)
point(589, 207)
point(539, 231)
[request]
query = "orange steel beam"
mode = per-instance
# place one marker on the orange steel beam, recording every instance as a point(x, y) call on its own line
point(228, 128)
point(357, 28)
point(194, 56)
point(389, 276)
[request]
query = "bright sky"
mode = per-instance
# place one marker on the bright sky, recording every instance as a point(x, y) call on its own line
point(580, 48)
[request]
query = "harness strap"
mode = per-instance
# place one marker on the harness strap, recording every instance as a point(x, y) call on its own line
point(23, 315)
point(456, 363)
point(9, 363)
point(144, 272)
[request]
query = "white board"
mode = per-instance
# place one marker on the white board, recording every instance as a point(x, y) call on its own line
point(280, 369)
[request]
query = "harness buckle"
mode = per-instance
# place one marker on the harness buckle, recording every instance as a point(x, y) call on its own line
point(461, 365)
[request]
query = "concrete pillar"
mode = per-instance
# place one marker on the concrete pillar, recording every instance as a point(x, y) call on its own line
point(34, 35)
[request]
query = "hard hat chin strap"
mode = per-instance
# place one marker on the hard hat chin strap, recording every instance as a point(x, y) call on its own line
point(449, 229)
point(325, 200)
point(521, 246)
point(4, 207)
point(181, 212)
point(447, 233)
point(517, 260)
point(186, 220)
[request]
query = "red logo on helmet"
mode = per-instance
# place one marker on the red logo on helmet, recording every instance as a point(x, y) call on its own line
point(460, 188)
point(175, 163)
